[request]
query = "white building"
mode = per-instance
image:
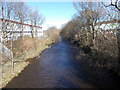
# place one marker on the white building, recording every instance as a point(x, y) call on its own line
point(11, 30)
point(107, 25)
point(17, 29)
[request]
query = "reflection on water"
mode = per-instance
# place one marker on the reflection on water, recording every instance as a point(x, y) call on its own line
point(57, 67)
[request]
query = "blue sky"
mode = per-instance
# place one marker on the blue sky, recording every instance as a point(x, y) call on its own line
point(56, 13)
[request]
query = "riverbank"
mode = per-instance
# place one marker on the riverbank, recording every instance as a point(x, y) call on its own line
point(98, 60)
point(22, 55)
point(58, 67)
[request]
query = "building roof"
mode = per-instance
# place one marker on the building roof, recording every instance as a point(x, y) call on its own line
point(107, 22)
point(19, 23)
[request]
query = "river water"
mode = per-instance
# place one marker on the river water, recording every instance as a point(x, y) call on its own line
point(57, 67)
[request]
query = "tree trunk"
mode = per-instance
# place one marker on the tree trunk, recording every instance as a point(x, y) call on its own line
point(32, 32)
point(118, 38)
point(118, 41)
point(93, 34)
point(22, 32)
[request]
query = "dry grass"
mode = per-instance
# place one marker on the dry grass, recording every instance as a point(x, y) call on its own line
point(21, 45)
point(3, 59)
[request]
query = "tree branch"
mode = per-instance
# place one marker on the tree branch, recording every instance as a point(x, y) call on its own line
point(115, 5)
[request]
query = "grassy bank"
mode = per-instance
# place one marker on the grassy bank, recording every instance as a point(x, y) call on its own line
point(23, 50)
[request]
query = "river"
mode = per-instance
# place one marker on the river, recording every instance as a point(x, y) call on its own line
point(57, 67)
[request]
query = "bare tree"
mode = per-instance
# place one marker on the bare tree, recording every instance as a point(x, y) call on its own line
point(21, 12)
point(91, 12)
point(116, 5)
point(36, 19)
point(8, 10)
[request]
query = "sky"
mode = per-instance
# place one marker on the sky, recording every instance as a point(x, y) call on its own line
point(56, 13)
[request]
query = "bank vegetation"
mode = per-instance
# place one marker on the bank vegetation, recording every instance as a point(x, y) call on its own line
point(95, 29)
